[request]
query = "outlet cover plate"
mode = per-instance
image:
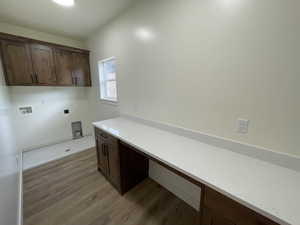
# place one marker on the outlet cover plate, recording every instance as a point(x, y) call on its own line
point(243, 126)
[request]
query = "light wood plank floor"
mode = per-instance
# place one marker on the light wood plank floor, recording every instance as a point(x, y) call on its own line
point(71, 191)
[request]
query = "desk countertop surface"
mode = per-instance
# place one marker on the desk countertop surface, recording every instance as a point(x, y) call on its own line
point(269, 189)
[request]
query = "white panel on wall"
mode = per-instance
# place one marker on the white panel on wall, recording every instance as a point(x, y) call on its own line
point(188, 192)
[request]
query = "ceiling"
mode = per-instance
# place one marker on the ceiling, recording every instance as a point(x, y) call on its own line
point(76, 22)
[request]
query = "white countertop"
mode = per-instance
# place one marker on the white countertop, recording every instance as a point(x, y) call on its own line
point(268, 189)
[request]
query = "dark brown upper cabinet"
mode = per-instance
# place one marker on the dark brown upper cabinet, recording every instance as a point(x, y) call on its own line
point(81, 69)
point(43, 64)
point(64, 67)
point(17, 62)
point(31, 62)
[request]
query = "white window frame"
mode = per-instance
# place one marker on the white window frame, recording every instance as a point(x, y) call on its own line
point(102, 82)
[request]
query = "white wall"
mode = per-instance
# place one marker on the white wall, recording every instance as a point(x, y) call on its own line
point(48, 124)
point(29, 33)
point(202, 64)
point(9, 171)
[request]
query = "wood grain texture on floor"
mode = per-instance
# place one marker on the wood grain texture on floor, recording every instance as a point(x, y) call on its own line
point(71, 191)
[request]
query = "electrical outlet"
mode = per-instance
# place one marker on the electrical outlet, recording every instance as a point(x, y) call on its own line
point(25, 110)
point(243, 126)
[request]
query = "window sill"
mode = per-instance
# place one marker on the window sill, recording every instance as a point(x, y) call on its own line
point(109, 102)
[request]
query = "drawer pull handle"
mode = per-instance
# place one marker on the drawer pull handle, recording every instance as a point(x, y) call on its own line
point(103, 135)
point(104, 149)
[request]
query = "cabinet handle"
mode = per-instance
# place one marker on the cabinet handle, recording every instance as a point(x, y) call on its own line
point(107, 157)
point(36, 78)
point(72, 75)
point(105, 149)
point(54, 74)
point(32, 78)
point(74, 80)
point(104, 136)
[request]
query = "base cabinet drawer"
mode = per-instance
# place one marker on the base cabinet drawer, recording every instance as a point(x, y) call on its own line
point(221, 210)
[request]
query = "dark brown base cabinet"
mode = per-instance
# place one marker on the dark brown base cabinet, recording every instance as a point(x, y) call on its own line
point(217, 209)
point(124, 167)
point(28, 62)
point(119, 163)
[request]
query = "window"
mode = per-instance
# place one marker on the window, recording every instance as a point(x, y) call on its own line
point(108, 82)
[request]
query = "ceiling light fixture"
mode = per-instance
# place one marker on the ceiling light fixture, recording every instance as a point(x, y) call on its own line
point(67, 3)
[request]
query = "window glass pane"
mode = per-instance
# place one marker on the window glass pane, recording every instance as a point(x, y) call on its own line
point(107, 77)
point(110, 69)
point(111, 90)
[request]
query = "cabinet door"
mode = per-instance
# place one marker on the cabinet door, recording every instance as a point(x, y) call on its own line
point(114, 163)
point(81, 70)
point(102, 156)
point(63, 66)
point(221, 210)
point(134, 167)
point(43, 64)
point(17, 63)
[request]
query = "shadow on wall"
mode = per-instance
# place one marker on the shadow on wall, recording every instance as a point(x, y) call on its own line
point(9, 172)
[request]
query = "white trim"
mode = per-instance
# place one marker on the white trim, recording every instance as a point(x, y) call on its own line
point(45, 156)
point(32, 148)
point(109, 102)
point(20, 205)
point(102, 82)
point(107, 59)
point(278, 158)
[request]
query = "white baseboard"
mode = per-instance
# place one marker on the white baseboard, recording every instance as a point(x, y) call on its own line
point(20, 204)
point(51, 143)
